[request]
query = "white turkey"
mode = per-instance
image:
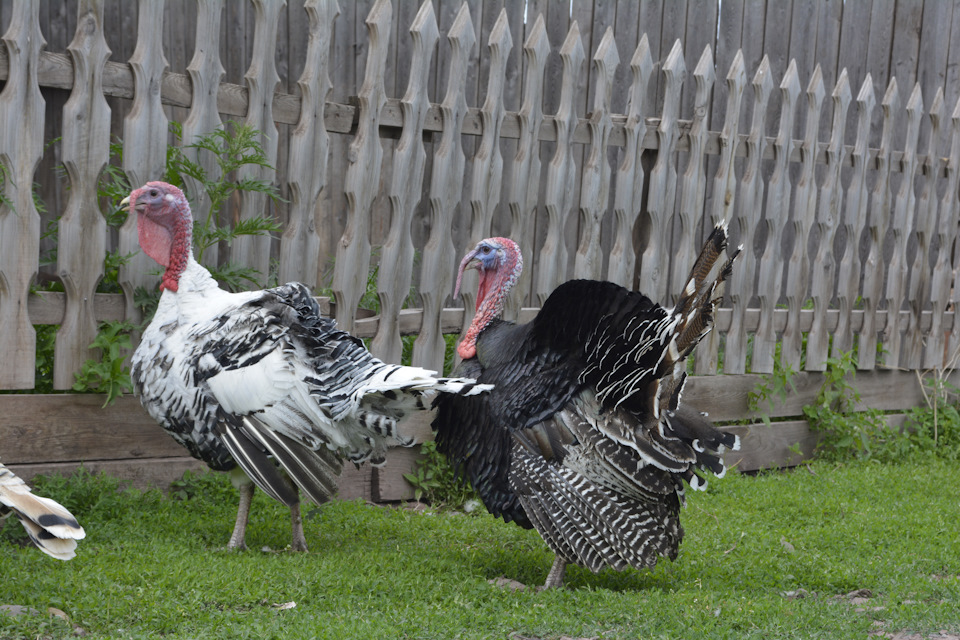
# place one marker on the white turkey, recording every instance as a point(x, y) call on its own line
point(583, 437)
point(260, 379)
point(50, 526)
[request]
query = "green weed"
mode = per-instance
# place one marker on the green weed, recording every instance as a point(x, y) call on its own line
point(437, 482)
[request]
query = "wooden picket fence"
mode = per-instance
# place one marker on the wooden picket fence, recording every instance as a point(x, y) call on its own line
point(847, 246)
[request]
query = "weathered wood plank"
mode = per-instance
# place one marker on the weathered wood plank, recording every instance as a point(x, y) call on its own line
point(363, 174)
point(446, 180)
point(261, 81)
point(595, 176)
point(206, 72)
point(561, 174)
point(724, 188)
point(487, 167)
point(694, 180)
point(783, 444)
point(828, 213)
point(523, 181)
point(142, 474)
point(21, 147)
point(873, 266)
point(854, 221)
point(918, 292)
point(741, 286)
point(904, 52)
point(409, 157)
point(144, 143)
point(74, 428)
point(628, 191)
point(803, 214)
point(941, 348)
point(772, 261)
point(82, 232)
point(727, 397)
point(900, 225)
point(655, 262)
point(309, 151)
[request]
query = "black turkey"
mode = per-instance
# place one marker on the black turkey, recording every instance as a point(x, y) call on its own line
point(50, 526)
point(584, 437)
point(260, 379)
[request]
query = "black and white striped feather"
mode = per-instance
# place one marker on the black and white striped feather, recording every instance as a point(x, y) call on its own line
point(258, 378)
point(49, 525)
point(584, 436)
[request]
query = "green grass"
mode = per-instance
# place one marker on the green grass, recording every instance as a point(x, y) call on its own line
point(154, 566)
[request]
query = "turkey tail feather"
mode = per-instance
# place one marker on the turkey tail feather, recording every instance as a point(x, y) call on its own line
point(696, 303)
point(316, 472)
point(50, 526)
point(255, 462)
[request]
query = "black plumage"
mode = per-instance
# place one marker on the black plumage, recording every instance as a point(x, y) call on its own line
point(584, 436)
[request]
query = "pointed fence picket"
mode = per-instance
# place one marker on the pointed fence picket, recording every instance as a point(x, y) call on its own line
point(558, 200)
point(86, 151)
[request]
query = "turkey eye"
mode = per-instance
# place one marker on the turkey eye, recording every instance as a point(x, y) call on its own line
point(484, 250)
point(153, 193)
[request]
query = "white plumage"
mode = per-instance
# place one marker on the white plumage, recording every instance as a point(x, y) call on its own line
point(50, 526)
point(261, 378)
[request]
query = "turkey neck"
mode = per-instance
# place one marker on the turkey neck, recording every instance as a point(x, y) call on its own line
point(181, 249)
point(493, 291)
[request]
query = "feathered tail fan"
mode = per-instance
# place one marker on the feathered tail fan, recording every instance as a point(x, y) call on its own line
point(50, 526)
point(696, 303)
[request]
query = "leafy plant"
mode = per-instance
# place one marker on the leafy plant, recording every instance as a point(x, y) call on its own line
point(844, 432)
point(772, 388)
point(110, 375)
point(233, 147)
point(437, 482)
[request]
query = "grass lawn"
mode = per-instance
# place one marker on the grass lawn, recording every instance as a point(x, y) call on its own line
point(155, 566)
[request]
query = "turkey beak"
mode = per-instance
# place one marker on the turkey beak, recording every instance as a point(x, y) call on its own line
point(469, 262)
point(124, 205)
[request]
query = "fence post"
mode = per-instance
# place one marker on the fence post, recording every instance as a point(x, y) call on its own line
point(724, 187)
point(778, 210)
point(828, 211)
point(940, 347)
point(309, 150)
point(82, 234)
point(561, 173)
point(487, 162)
point(655, 260)
point(926, 212)
point(741, 285)
point(261, 80)
point(409, 157)
point(21, 147)
point(446, 182)
point(854, 219)
point(694, 182)
point(206, 72)
point(903, 211)
point(630, 177)
point(798, 265)
point(879, 217)
point(362, 181)
point(595, 177)
point(523, 184)
point(144, 143)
